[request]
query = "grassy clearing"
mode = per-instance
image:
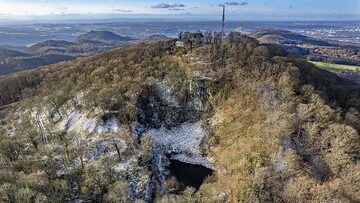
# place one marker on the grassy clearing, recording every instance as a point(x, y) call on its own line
point(335, 67)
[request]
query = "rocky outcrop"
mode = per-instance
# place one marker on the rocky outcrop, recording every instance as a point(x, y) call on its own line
point(165, 104)
point(170, 115)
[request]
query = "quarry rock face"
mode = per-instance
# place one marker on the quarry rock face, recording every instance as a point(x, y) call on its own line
point(171, 118)
point(168, 115)
point(164, 105)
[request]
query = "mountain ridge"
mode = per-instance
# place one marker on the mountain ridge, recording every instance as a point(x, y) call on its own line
point(54, 51)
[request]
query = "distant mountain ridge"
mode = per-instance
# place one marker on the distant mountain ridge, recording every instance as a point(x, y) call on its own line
point(286, 37)
point(6, 53)
point(50, 43)
point(311, 48)
point(157, 37)
point(92, 42)
point(103, 36)
point(53, 51)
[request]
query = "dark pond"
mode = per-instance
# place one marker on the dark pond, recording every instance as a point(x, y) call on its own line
point(189, 174)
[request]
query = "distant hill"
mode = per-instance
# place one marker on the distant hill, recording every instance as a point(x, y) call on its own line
point(102, 36)
point(54, 51)
point(310, 48)
point(14, 61)
point(14, 48)
point(68, 48)
point(16, 64)
point(6, 53)
point(286, 37)
point(50, 43)
point(158, 37)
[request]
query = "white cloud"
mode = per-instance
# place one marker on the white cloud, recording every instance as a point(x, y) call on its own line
point(46, 8)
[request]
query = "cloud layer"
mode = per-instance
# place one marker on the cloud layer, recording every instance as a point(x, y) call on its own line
point(168, 6)
point(233, 3)
point(264, 9)
point(123, 10)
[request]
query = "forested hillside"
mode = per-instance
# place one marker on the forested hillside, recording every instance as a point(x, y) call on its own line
point(257, 126)
point(54, 51)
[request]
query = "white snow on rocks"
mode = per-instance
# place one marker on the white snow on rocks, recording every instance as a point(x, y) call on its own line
point(109, 125)
point(184, 142)
point(167, 93)
point(127, 165)
point(78, 122)
point(105, 148)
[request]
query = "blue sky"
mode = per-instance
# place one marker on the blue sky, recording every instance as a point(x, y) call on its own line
point(183, 9)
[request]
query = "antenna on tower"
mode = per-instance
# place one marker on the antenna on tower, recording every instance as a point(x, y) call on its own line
point(223, 23)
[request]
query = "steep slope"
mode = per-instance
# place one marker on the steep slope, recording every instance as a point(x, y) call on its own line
point(281, 132)
point(111, 128)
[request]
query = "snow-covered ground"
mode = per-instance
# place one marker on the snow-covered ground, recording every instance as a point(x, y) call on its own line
point(184, 142)
point(77, 121)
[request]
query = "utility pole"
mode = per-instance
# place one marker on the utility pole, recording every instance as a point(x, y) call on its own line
point(223, 24)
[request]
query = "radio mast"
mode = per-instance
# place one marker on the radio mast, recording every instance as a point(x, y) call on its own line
point(223, 23)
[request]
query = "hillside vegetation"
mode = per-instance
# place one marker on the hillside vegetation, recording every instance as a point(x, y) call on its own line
point(279, 129)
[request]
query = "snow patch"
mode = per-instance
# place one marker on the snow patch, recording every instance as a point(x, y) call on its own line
point(109, 125)
point(167, 93)
point(126, 165)
point(78, 122)
point(184, 142)
point(105, 148)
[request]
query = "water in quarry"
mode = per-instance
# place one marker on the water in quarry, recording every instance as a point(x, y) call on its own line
point(189, 174)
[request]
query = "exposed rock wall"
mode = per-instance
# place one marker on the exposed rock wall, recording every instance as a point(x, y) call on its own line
point(164, 104)
point(168, 115)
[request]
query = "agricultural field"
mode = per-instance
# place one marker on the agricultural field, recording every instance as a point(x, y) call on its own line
point(336, 68)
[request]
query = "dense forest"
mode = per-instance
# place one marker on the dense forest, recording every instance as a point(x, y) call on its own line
point(279, 129)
